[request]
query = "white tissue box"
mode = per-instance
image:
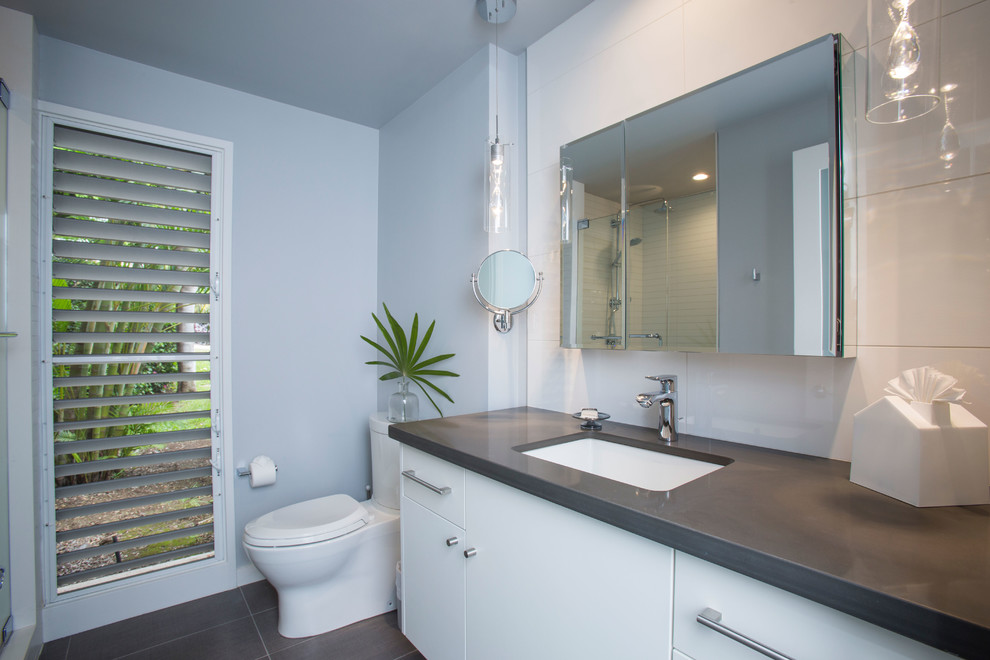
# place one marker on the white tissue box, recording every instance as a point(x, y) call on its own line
point(925, 454)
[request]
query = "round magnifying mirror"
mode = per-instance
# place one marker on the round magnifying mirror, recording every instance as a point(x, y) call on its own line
point(506, 279)
point(506, 284)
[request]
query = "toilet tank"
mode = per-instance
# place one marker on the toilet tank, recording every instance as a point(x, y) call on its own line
point(384, 463)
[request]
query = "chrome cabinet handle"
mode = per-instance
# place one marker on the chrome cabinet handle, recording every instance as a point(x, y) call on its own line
point(439, 490)
point(712, 619)
point(470, 552)
point(7, 335)
point(452, 541)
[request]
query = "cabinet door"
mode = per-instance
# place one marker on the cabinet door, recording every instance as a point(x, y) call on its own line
point(773, 618)
point(432, 582)
point(547, 582)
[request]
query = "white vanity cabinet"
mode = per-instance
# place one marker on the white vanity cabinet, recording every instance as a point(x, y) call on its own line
point(540, 581)
point(432, 532)
point(547, 582)
point(772, 618)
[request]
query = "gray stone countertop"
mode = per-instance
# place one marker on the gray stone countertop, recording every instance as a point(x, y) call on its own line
point(790, 520)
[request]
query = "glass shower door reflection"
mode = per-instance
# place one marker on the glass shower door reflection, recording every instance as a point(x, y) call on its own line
point(4, 513)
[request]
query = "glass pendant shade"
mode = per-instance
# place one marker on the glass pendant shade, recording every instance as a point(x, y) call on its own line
point(566, 198)
point(497, 212)
point(902, 75)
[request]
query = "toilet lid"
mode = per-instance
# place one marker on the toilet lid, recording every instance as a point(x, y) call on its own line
point(307, 522)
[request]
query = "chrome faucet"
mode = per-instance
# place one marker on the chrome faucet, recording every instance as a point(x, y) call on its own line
point(667, 396)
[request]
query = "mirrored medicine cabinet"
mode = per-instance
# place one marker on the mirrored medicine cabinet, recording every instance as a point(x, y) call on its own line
point(720, 221)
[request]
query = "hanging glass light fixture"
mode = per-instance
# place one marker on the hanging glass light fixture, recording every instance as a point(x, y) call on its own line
point(902, 75)
point(497, 164)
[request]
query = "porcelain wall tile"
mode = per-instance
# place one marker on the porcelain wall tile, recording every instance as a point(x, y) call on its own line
point(787, 403)
point(554, 377)
point(544, 210)
point(949, 6)
point(544, 315)
point(601, 25)
point(878, 364)
point(894, 156)
point(925, 266)
point(568, 379)
point(722, 38)
point(635, 74)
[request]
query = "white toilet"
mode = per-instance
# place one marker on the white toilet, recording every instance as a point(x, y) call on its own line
point(332, 560)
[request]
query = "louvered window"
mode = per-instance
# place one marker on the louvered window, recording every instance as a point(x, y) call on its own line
point(131, 268)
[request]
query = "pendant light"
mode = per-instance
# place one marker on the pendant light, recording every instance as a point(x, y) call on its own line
point(902, 75)
point(497, 165)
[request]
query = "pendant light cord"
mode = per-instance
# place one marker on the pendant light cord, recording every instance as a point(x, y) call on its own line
point(496, 70)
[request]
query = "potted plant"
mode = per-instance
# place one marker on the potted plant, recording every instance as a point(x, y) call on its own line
point(404, 356)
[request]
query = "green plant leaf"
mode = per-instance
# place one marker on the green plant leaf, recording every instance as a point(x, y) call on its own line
point(402, 345)
point(405, 357)
point(426, 340)
point(380, 348)
point(394, 355)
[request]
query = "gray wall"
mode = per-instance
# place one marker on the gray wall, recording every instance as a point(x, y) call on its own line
point(304, 226)
point(430, 239)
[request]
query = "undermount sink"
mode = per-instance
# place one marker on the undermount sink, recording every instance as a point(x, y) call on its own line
point(658, 468)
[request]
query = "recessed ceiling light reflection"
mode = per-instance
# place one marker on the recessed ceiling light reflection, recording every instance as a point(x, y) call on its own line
point(700, 176)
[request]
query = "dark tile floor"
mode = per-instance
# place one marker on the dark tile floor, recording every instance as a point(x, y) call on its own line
point(240, 624)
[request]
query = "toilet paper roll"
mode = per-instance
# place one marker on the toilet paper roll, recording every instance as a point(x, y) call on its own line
point(263, 470)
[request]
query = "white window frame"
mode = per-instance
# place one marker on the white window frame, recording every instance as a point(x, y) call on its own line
point(70, 613)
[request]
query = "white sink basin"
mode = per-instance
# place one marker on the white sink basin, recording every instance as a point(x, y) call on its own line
point(642, 468)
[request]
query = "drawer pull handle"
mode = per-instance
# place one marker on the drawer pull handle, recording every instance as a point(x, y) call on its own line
point(470, 552)
point(452, 541)
point(712, 619)
point(439, 490)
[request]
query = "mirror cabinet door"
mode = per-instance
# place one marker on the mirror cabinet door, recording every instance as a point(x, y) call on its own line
point(593, 241)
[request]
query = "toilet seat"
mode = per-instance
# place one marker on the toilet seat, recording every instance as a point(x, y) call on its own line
point(307, 522)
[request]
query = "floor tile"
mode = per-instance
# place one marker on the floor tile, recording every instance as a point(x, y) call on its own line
point(267, 624)
point(260, 596)
point(377, 638)
point(57, 649)
point(142, 632)
point(237, 639)
point(414, 655)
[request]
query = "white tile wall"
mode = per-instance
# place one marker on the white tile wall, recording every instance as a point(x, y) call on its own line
point(924, 231)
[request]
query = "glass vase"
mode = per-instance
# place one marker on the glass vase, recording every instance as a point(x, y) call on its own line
point(403, 406)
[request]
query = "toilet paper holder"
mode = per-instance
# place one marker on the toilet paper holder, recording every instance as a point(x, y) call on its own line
point(246, 471)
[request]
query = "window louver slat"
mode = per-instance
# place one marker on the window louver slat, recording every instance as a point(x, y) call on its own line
point(155, 296)
point(129, 317)
point(204, 549)
point(76, 184)
point(137, 440)
point(102, 209)
point(109, 252)
point(118, 358)
point(141, 399)
point(130, 421)
point(133, 233)
point(130, 523)
point(123, 379)
point(131, 482)
point(131, 502)
point(141, 152)
point(102, 338)
point(132, 270)
point(73, 161)
point(88, 467)
point(70, 271)
point(134, 543)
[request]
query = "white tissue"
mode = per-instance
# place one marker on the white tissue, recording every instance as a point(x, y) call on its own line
point(263, 471)
point(925, 385)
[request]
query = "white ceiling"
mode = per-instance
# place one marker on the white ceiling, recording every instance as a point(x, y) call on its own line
point(359, 60)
